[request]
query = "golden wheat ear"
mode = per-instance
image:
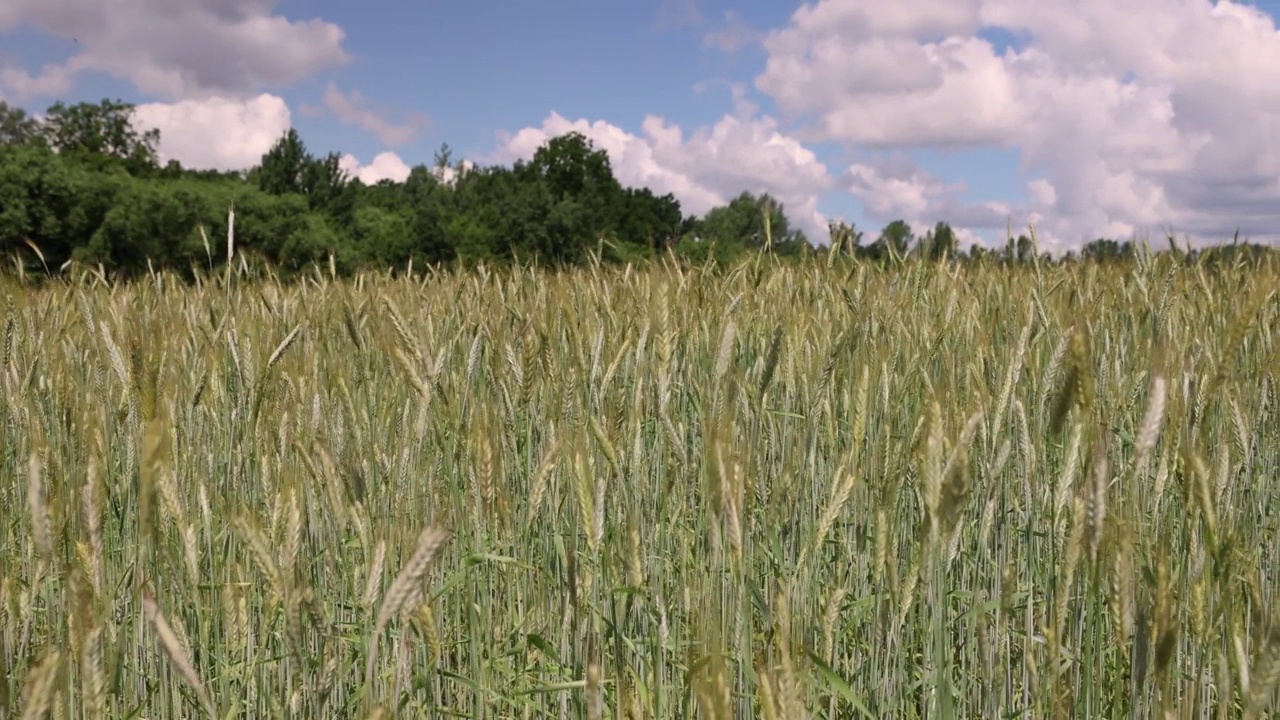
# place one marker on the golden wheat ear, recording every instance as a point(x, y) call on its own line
point(174, 651)
point(405, 590)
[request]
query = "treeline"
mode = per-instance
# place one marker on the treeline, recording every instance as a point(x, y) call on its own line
point(84, 185)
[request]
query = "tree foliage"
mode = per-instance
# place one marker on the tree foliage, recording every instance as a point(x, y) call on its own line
point(84, 183)
point(16, 127)
point(105, 130)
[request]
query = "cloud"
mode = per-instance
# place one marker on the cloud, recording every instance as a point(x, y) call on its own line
point(216, 133)
point(52, 80)
point(228, 134)
point(894, 188)
point(175, 50)
point(352, 109)
point(709, 167)
point(733, 35)
point(891, 191)
point(1128, 117)
point(385, 166)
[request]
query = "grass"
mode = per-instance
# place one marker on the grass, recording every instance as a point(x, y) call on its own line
point(763, 491)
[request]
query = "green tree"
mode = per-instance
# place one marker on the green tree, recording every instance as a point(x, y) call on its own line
point(1025, 249)
point(93, 131)
point(383, 236)
point(572, 167)
point(648, 221)
point(312, 242)
point(569, 188)
point(895, 240)
point(265, 224)
point(150, 221)
point(289, 168)
point(846, 239)
point(443, 158)
point(284, 166)
point(428, 202)
point(742, 223)
point(55, 203)
point(938, 243)
point(1106, 250)
point(325, 184)
point(16, 127)
point(979, 253)
point(485, 219)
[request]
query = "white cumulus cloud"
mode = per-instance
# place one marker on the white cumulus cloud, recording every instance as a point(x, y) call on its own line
point(216, 133)
point(896, 189)
point(385, 166)
point(1129, 117)
point(227, 134)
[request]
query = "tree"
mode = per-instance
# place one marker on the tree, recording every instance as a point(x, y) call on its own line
point(1106, 250)
point(383, 236)
point(92, 131)
point(895, 239)
point(1019, 250)
point(53, 202)
point(283, 168)
point(1026, 249)
point(443, 159)
point(16, 127)
point(325, 184)
point(648, 221)
point(979, 253)
point(569, 188)
point(313, 242)
point(264, 223)
point(938, 243)
point(427, 202)
point(742, 223)
point(483, 220)
point(846, 238)
point(150, 221)
point(573, 167)
point(288, 168)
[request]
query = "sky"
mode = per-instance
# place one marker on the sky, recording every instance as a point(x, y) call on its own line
point(1080, 118)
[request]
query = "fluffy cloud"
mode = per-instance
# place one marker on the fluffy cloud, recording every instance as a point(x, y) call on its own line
point(385, 166)
point(226, 134)
point(1130, 117)
point(710, 166)
point(896, 188)
point(174, 50)
point(52, 80)
point(890, 189)
point(216, 133)
point(353, 109)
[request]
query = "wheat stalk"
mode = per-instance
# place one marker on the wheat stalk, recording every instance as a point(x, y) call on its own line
point(406, 588)
point(174, 651)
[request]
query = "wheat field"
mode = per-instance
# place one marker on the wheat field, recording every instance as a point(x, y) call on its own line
point(818, 489)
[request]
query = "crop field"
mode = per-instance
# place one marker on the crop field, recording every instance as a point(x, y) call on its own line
point(777, 490)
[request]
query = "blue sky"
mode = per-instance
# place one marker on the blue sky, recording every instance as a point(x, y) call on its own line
point(463, 73)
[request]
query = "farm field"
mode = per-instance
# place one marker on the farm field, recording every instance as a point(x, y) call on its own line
point(766, 491)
